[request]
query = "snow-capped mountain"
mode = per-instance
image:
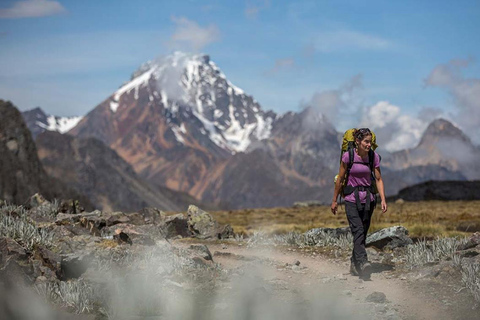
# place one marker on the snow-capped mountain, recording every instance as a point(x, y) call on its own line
point(38, 121)
point(190, 89)
point(176, 118)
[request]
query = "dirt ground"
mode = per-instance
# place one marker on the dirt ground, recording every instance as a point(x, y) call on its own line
point(293, 276)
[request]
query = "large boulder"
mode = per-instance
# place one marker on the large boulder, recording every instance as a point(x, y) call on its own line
point(204, 226)
point(389, 238)
point(318, 235)
point(177, 225)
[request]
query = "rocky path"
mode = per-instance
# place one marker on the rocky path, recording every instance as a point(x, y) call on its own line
point(324, 285)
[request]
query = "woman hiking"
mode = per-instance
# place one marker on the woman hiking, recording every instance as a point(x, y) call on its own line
point(359, 195)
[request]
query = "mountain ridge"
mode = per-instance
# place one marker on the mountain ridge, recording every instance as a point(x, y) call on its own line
point(181, 124)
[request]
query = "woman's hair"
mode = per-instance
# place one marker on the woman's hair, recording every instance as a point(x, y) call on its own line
point(360, 134)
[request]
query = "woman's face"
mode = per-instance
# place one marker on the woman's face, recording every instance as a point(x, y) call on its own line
point(365, 144)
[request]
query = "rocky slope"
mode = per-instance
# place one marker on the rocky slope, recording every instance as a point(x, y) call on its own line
point(21, 172)
point(93, 169)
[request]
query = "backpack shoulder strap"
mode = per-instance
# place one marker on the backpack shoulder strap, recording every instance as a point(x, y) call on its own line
point(371, 160)
point(350, 163)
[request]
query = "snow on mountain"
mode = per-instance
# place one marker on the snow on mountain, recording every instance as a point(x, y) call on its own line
point(192, 86)
point(38, 121)
point(60, 124)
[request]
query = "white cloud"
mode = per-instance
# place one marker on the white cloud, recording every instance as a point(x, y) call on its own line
point(188, 33)
point(32, 8)
point(347, 39)
point(281, 64)
point(394, 131)
point(340, 105)
point(465, 92)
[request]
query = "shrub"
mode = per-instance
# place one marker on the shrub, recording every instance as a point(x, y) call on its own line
point(15, 224)
point(424, 251)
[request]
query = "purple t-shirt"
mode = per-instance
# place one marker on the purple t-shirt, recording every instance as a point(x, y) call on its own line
point(360, 175)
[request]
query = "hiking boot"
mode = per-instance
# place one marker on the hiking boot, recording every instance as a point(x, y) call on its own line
point(353, 270)
point(365, 269)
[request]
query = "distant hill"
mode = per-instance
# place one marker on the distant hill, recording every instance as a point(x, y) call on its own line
point(441, 190)
point(92, 168)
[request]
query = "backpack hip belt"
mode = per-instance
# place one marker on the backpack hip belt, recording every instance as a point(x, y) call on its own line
point(369, 189)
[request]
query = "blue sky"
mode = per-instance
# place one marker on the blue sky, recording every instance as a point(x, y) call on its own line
point(68, 56)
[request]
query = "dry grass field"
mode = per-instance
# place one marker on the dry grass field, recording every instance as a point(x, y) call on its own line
point(427, 219)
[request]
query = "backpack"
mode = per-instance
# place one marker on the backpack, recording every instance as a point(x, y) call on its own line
point(348, 145)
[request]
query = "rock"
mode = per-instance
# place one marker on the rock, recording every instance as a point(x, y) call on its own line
point(203, 250)
point(70, 206)
point(225, 232)
point(399, 201)
point(131, 233)
point(152, 215)
point(296, 263)
point(75, 264)
point(316, 235)
point(15, 264)
point(93, 224)
point(36, 200)
point(51, 261)
point(376, 297)
point(201, 262)
point(472, 242)
point(122, 237)
point(389, 238)
point(69, 218)
point(306, 204)
point(201, 223)
point(469, 253)
point(177, 225)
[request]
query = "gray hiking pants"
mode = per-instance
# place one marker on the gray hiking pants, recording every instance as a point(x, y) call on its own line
point(359, 221)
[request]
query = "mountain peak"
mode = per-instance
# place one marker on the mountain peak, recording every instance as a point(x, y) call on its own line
point(441, 128)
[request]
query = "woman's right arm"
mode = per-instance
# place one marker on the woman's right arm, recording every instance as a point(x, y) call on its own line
point(338, 184)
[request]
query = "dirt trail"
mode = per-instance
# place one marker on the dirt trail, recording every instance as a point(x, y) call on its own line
point(332, 278)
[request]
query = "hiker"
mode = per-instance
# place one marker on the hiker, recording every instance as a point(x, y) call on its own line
point(359, 194)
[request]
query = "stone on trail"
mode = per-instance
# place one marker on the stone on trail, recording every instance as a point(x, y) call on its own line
point(389, 238)
point(314, 236)
point(376, 297)
point(203, 250)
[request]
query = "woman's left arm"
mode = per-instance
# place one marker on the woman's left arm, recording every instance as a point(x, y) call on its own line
point(381, 189)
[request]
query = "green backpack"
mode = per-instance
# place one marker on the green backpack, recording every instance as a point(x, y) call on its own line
point(348, 145)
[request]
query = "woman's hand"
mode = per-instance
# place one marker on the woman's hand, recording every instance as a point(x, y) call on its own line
point(384, 206)
point(334, 207)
